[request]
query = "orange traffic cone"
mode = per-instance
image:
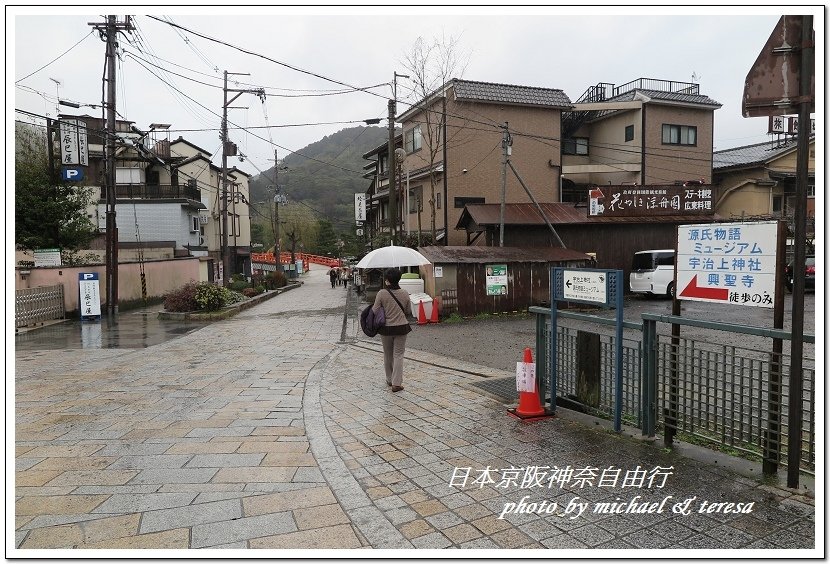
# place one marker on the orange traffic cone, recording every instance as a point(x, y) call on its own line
point(434, 317)
point(529, 405)
point(422, 316)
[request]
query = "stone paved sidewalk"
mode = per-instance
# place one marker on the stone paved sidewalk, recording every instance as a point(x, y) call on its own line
point(274, 429)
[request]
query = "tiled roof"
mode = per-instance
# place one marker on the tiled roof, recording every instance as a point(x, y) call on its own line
point(481, 255)
point(667, 96)
point(751, 154)
point(510, 94)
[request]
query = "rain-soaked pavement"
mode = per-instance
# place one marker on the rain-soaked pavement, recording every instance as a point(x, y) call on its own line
point(132, 329)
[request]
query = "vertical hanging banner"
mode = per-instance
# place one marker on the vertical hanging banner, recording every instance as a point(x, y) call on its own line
point(74, 150)
point(360, 206)
point(90, 298)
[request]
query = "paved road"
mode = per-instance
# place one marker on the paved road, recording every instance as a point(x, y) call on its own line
point(274, 429)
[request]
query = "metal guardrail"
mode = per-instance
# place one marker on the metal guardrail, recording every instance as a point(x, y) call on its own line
point(710, 391)
point(37, 305)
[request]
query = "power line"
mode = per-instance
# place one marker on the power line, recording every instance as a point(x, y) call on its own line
point(254, 54)
point(56, 58)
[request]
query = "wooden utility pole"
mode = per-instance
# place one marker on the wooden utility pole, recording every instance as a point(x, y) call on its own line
point(226, 151)
point(110, 30)
point(505, 155)
point(278, 265)
point(393, 201)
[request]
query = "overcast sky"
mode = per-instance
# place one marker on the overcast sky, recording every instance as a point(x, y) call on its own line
point(362, 47)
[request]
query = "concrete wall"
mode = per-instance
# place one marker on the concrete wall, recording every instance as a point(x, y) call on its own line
point(161, 277)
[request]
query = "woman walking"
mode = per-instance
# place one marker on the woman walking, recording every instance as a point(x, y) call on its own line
point(393, 335)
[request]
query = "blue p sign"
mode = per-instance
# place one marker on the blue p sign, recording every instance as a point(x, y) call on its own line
point(72, 174)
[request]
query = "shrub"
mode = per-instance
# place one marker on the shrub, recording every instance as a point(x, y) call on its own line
point(259, 289)
point(182, 299)
point(274, 280)
point(231, 297)
point(250, 292)
point(239, 285)
point(210, 297)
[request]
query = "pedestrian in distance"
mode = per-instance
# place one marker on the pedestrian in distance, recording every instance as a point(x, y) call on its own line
point(333, 277)
point(393, 334)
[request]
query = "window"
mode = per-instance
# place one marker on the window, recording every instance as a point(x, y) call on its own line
point(416, 202)
point(461, 202)
point(194, 223)
point(384, 164)
point(811, 190)
point(777, 204)
point(412, 140)
point(129, 175)
point(575, 146)
point(629, 133)
point(679, 134)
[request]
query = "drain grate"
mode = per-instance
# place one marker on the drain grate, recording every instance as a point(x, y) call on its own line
point(504, 388)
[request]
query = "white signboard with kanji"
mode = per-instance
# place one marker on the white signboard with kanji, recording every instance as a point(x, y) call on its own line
point(360, 206)
point(90, 298)
point(729, 263)
point(74, 148)
point(585, 286)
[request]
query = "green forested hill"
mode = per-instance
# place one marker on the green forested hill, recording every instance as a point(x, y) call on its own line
point(325, 175)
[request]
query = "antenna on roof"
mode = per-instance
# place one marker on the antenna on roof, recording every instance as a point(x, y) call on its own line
point(695, 76)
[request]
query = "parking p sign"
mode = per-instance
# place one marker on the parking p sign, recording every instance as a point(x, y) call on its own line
point(72, 173)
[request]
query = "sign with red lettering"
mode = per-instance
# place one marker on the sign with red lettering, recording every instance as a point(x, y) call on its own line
point(731, 263)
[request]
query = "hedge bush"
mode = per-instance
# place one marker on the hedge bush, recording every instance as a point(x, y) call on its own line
point(239, 285)
point(182, 299)
point(210, 297)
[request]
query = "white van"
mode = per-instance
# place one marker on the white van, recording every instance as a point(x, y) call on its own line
point(652, 272)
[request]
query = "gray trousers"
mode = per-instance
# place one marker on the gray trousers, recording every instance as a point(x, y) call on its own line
point(393, 350)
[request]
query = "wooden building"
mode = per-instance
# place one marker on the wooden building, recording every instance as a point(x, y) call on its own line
point(610, 240)
point(473, 280)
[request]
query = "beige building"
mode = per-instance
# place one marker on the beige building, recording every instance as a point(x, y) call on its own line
point(478, 114)
point(759, 180)
point(646, 131)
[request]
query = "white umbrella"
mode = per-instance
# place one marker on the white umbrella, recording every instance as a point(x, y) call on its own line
point(392, 257)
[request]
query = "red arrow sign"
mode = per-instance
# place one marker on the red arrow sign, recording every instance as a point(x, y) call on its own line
point(692, 290)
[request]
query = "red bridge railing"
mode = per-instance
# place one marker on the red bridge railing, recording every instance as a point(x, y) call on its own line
point(285, 258)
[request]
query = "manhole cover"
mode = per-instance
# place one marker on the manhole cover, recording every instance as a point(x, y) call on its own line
point(504, 388)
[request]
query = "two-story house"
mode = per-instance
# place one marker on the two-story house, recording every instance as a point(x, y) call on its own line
point(167, 196)
point(647, 131)
point(477, 117)
point(760, 180)
point(377, 194)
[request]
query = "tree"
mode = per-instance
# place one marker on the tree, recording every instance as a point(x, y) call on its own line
point(47, 213)
point(431, 66)
point(326, 239)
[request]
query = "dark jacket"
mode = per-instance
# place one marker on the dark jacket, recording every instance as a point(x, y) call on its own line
point(371, 321)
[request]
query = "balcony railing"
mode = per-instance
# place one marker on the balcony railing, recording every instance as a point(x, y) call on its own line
point(154, 192)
